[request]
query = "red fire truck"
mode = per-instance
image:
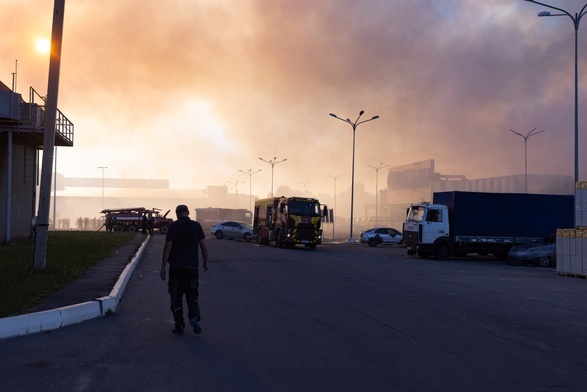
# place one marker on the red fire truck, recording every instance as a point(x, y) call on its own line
point(135, 219)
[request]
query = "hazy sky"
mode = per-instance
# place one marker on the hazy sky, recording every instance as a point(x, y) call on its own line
point(195, 90)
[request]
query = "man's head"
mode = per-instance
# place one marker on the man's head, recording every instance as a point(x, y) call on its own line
point(182, 210)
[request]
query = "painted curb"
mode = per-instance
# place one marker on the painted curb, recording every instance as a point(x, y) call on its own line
point(68, 315)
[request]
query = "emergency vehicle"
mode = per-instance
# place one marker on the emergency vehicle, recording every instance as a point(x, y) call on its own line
point(132, 219)
point(288, 221)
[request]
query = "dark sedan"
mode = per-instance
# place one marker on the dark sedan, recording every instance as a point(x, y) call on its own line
point(542, 254)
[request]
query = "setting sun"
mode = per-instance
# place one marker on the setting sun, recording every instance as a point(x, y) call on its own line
point(43, 45)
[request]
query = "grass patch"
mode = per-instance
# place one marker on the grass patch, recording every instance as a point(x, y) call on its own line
point(69, 254)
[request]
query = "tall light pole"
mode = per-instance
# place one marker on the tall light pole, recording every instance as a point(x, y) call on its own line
point(272, 162)
point(236, 194)
point(250, 172)
point(380, 166)
point(41, 239)
point(354, 125)
point(335, 177)
point(102, 167)
point(576, 20)
point(526, 137)
point(304, 183)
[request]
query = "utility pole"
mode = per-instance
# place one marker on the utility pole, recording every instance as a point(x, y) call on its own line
point(40, 257)
point(250, 172)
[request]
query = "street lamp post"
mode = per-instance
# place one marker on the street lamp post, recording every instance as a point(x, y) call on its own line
point(103, 168)
point(304, 183)
point(250, 172)
point(526, 137)
point(354, 125)
point(236, 191)
point(272, 162)
point(380, 166)
point(576, 20)
point(334, 214)
point(41, 238)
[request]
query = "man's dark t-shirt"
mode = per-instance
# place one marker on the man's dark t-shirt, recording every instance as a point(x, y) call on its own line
point(185, 235)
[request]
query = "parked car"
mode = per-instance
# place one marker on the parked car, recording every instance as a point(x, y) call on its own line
point(542, 254)
point(381, 235)
point(232, 229)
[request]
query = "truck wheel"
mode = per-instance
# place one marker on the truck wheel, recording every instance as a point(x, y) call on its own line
point(119, 228)
point(219, 234)
point(442, 252)
point(261, 240)
point(163, 229)
point(278, 239)
point(313, 246)
point(132, 228)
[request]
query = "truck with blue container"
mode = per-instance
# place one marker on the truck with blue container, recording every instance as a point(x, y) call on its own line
point(460, 223)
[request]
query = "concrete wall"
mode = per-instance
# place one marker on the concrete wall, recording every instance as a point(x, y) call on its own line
point(23, 187)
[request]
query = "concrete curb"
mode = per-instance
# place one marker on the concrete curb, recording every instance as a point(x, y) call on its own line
point(68, 315)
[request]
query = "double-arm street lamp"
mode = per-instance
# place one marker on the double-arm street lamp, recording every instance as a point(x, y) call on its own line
point(304, 183)
point(250, 172)
point(526, 137)
point(576, 18)
point(102, 168)
point(236, 191)
point(272, 162)
point(380, 166)
point(354, 125)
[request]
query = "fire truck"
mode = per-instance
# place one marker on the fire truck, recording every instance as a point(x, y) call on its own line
point(208, 217)
point(288, 221)
point(133, 219)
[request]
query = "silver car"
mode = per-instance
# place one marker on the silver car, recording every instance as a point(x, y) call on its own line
point(381, 235)
point(232, 229)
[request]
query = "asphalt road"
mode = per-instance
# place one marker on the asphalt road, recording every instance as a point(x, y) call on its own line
point(341, 318)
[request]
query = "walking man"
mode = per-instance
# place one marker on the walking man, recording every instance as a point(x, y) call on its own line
point(183, 239)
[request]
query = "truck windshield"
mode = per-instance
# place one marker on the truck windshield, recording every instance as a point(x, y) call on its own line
point(303, 208)
point(416, 213)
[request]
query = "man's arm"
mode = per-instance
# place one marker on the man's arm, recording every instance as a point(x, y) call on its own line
point(204, 248)
point(165, 258)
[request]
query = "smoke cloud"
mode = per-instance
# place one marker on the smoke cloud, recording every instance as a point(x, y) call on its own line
point(194, 91)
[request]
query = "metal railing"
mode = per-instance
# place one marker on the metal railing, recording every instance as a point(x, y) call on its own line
point(33, 114)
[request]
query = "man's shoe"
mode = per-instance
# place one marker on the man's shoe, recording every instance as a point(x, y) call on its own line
point(178, 330)
point(194, 323)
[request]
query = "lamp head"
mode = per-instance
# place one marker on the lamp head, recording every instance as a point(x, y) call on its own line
point(375, 117)
point(333, 115)
point(544, 13)
point(361, 112)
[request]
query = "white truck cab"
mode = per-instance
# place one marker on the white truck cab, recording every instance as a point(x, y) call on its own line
point(426, 225)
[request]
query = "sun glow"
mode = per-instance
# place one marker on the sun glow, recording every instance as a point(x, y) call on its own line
point(43, 45)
